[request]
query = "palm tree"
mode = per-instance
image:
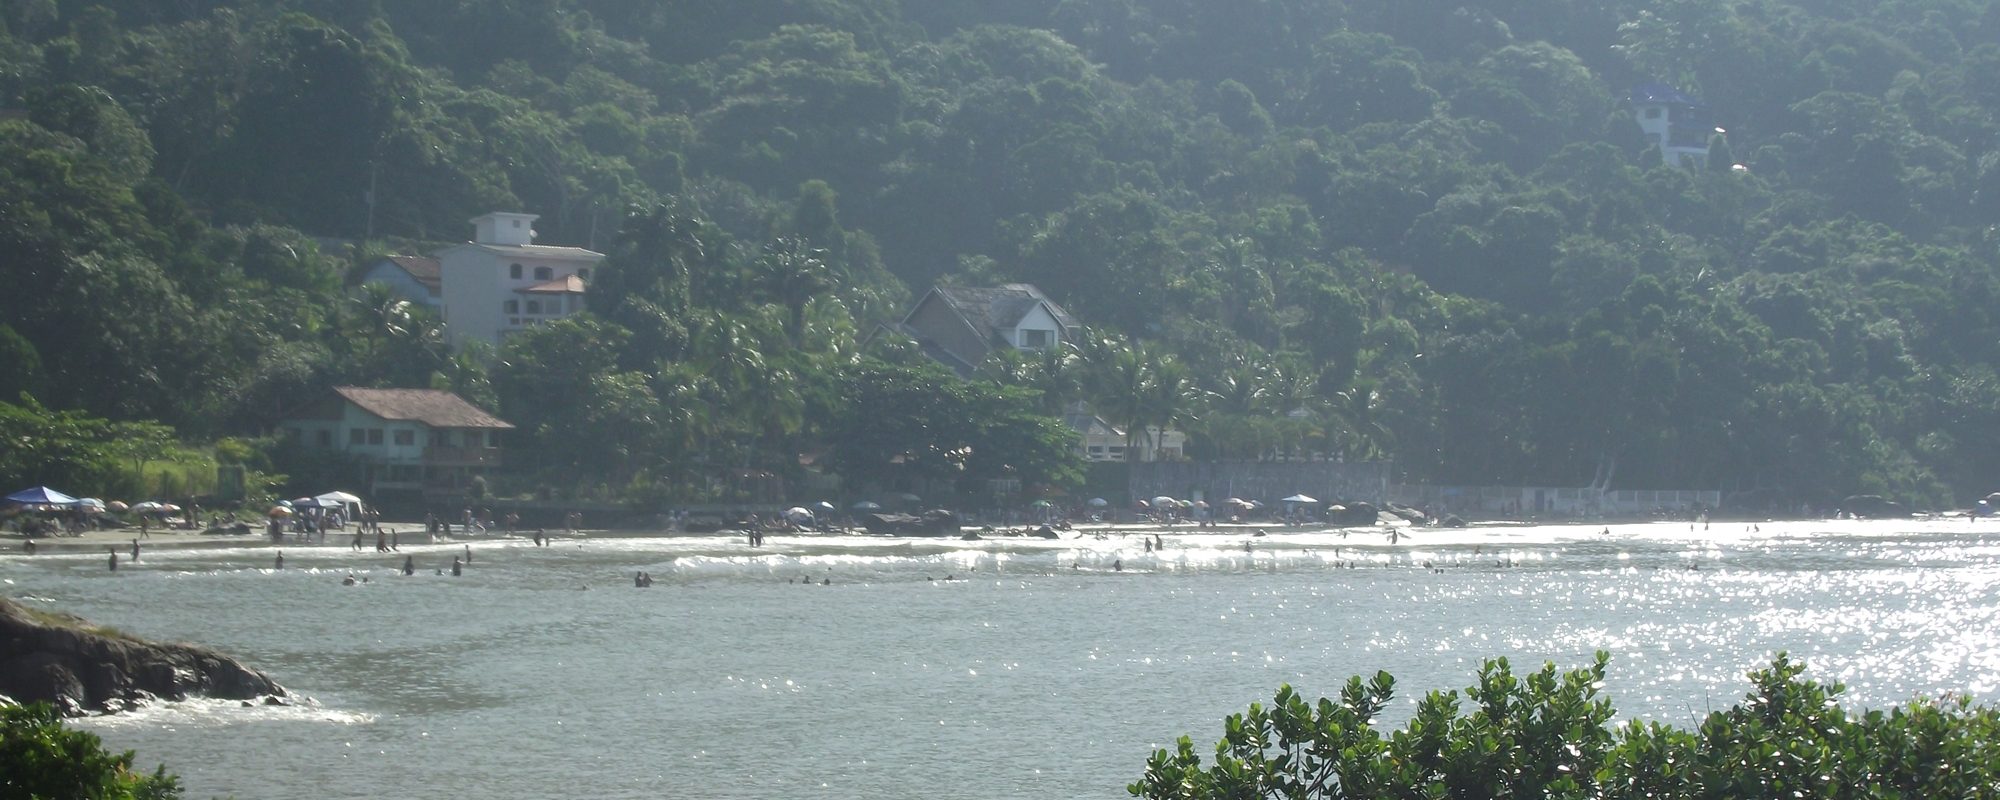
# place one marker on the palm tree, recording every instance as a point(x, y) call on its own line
point(791, 274)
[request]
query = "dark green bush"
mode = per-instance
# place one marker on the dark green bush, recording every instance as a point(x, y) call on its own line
point(42, 760)
point(1548, 735)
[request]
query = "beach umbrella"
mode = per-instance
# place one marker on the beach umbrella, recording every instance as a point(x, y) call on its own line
point(1201, 504)
point(1164, 501)
point(117, 505)
point(825, 506)
point(866, 505)
point(1041, 504)
point(339, 497)
point(1143, 504)
point(1099, 502)
point(41, 496)
point(798, 515)
point(1299, 498)
point(169, 507)
point(280, 511)
point(91, 502)
point(148, 507)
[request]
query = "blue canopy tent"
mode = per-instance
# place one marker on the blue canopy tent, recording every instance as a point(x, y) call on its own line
point(41, 496)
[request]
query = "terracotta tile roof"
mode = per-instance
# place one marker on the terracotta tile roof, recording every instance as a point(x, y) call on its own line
point(433, 407)
point(569, 284)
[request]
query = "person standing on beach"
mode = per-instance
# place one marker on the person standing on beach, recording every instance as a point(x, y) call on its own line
point(394, 544)
point(381, 544)
point(114, 559)
point(468, 554)
point(145, 526)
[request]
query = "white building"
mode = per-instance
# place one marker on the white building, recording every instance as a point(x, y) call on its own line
point(1676, 123)
point(502, 282)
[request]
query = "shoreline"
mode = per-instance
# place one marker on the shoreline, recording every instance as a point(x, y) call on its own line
point(120, 540)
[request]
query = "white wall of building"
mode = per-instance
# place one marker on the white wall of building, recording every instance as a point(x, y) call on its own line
point(1037, 319)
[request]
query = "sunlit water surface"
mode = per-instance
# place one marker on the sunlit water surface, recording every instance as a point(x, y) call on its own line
point(1039, 671)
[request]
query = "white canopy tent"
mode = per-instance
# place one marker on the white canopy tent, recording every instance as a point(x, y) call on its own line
point(350, 505)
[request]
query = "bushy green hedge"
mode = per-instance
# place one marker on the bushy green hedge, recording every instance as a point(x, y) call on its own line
point(42, 760)
point(1549, 735)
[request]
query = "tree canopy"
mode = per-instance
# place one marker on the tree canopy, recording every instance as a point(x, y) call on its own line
point(1311, 228)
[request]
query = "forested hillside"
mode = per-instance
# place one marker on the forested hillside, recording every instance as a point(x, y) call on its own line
point(1426, 231)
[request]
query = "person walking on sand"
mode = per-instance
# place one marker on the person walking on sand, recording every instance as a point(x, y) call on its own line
point(394, 544)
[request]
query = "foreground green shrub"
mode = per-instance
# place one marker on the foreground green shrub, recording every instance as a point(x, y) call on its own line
point(1548, 735)
point(42, 760)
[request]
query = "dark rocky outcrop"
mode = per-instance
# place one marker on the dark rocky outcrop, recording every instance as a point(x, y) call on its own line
point(931, 523)
point(81, 668)
point(1872, 506)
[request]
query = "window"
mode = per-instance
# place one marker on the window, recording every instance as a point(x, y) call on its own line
point(534, 306)
point(544, 273)
point(492, 438)
point(514, 271)
point(374, 435)
point(1035, 339)
point(517, 223)
point(1652, 113)
point(406, 437)
point(357, 436)
point(583, 274)
point(511, 307)
point(326, 438)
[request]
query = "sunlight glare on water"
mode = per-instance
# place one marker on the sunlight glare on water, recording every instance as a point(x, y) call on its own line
point(1038, 669)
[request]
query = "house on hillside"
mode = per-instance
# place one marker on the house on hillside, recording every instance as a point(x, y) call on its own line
point(414, 278)
point(1678, 124)
point(502, 282)
point(959, 326)
point(406, 440)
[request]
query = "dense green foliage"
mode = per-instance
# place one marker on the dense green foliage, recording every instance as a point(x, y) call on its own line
point(1549, 735)
point(1306, 228)
point(39, 758)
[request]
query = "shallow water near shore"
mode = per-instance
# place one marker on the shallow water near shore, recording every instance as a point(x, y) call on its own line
point(1040, 669)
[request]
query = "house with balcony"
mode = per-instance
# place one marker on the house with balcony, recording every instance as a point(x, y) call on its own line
point(501, 282)
point(414, 441)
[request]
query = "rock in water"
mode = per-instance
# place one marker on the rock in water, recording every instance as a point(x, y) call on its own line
point(81, 668)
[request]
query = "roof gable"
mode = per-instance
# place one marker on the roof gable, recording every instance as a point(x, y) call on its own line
point(995, 309)
point(433, 407)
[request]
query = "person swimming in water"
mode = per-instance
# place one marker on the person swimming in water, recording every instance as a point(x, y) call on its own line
point(280, 563)
point(349, 580)
point(457, 568)
point(409, 565)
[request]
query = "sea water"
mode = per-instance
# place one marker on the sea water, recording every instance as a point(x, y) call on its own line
point(870, 667)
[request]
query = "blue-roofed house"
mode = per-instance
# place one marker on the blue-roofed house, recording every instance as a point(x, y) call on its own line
point(1677, 123)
